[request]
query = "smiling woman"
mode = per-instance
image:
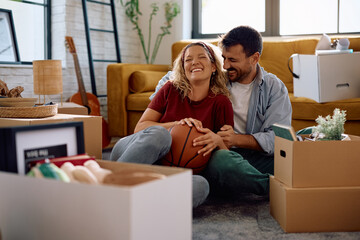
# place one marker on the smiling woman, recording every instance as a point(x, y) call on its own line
point(206, 54)
point(198, 66)
point(196, 96)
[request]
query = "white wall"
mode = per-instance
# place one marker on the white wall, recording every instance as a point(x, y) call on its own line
point(181, 27)
point(67, 20)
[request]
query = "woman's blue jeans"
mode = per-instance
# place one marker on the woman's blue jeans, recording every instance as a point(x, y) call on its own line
point(147, 147)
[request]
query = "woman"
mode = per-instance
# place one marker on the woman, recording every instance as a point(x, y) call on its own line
point(197, 96)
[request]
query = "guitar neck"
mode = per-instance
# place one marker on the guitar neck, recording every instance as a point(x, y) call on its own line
point(80, 80)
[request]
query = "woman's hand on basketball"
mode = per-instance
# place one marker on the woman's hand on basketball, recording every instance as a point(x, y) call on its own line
point(210, 141)
point(191, 122)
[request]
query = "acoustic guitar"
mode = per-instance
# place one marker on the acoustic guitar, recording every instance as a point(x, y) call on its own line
point(84, 98)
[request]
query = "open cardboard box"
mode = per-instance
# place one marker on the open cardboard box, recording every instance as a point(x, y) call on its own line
point(317, 164)
point(32, 208)
point(315, 209)
point(72, 108)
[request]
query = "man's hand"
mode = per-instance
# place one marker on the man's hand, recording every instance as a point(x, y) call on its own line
point(210, 141)
point(231, 139)
point(228, 135)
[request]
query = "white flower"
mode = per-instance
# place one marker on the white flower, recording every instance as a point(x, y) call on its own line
point(331, 128)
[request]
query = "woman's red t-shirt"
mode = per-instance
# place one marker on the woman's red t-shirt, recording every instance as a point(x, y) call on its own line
point(213, 111)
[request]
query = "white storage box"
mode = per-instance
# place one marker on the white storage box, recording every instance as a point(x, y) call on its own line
point(327, 77)
point(32, 208)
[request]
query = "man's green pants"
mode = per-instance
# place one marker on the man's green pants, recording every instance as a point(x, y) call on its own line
point(239, 171)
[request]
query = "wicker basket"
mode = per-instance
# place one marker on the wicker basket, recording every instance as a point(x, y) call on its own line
point(17, 102)
point(29, 112)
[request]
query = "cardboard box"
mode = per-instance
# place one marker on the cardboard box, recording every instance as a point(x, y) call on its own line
point(315, 209)
point(326, 78)
point(72, 108)
point(317, 164)
point(33, 208)
point(92, 128)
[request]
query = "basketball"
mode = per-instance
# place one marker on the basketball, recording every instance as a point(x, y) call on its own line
point(182, 152)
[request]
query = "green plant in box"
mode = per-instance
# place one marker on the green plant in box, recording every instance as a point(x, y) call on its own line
point(331, 127)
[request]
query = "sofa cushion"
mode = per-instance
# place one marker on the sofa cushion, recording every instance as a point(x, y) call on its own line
point(308, 109)
point(138, 101)
point(144, 81)
point(276, 54)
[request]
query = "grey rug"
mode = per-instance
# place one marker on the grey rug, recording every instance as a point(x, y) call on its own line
point(247, 217)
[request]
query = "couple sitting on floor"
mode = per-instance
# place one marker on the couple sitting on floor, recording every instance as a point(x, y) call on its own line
point(234, 111)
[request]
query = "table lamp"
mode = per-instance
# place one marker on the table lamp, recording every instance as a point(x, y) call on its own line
point(47, 78)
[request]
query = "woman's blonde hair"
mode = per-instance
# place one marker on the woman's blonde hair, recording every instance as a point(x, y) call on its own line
point(217, 81)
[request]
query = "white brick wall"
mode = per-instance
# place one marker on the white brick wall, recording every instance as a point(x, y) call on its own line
point(68, 20)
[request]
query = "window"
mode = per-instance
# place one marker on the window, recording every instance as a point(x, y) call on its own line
point(349, 16)
point(276, 17)
point(32, 28)
point(320, 16)
point(215, 21)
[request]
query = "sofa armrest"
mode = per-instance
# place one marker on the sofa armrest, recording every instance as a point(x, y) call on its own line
point(118, 75)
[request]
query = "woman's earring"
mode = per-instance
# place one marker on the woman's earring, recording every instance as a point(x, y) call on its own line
point(212, 77)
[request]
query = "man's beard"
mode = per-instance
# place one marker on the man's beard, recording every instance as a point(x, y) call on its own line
point(240, 74)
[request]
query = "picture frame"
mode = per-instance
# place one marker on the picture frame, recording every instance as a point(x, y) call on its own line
point(9, 52)
point(21, 145)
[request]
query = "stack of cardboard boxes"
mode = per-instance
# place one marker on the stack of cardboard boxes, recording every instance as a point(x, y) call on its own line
point(316, 185)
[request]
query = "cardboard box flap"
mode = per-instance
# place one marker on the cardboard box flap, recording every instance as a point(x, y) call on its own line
point(168, 171)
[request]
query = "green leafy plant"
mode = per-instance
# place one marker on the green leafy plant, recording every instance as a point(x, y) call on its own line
point(172, 9)
point(331, 127)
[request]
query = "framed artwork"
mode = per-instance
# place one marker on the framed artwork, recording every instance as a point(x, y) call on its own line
point(9, 52)
point(21, 145)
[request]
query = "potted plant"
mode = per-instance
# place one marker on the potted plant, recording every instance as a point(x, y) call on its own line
point(172, 9)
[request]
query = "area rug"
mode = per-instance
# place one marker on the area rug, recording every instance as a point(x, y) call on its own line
point(247, 217)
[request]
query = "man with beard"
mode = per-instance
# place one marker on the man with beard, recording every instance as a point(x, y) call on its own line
point(259, 100)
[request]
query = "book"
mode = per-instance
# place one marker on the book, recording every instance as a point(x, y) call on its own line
point(284, 131)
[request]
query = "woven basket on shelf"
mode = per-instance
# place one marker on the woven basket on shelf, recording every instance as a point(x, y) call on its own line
point(29, 112)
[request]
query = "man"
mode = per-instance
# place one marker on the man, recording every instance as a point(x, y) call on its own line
point(259, 100)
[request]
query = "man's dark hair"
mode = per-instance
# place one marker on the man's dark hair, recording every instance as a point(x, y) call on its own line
point(248, 37)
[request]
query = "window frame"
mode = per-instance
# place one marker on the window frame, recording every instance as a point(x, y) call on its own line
point(47, 31)
point(272, 21)
point(12, 33)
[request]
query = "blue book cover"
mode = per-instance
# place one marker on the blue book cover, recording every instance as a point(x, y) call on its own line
point(284, 131)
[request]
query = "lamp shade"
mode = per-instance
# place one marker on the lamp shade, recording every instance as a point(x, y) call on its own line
point(47, 77)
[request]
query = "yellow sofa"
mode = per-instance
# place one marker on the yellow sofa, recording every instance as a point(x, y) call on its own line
point(130, 85)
